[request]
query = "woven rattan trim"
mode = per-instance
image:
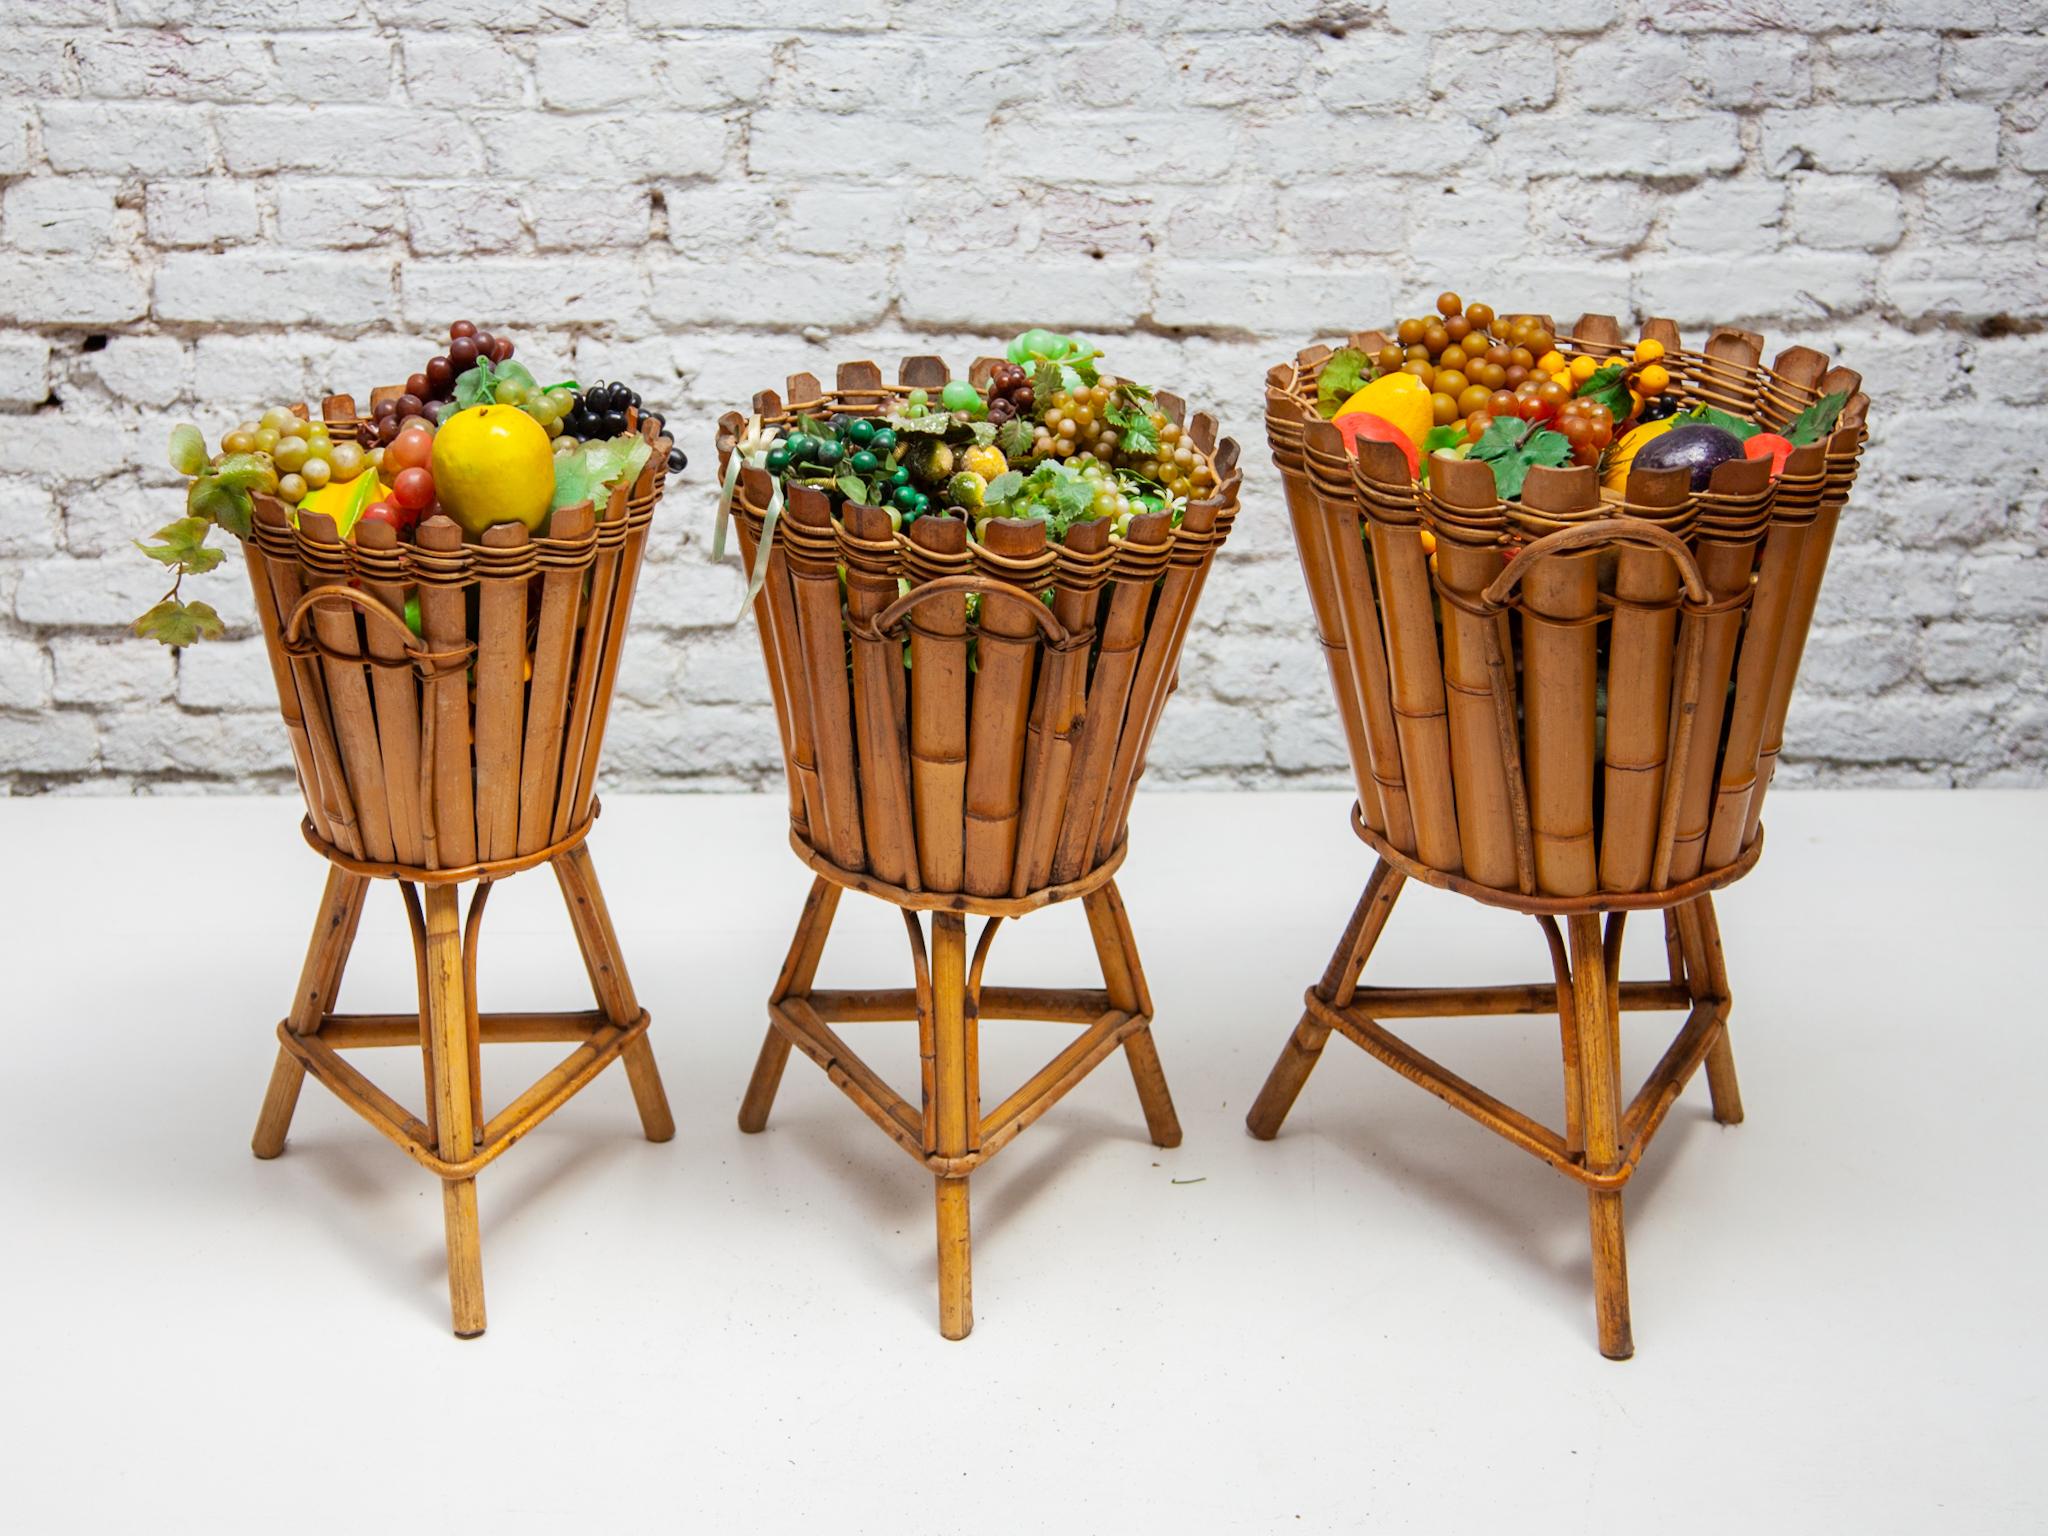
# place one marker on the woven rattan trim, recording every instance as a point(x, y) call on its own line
point(486, 869)
point(1558, 906)
point(473, 563)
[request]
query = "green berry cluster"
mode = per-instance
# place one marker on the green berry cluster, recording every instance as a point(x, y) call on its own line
point(1014, 449)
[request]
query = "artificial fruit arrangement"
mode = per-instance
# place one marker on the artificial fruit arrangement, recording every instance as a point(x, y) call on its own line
point(472, 436)
point(1466, 382)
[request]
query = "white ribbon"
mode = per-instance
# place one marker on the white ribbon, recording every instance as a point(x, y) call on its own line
point(750, 450)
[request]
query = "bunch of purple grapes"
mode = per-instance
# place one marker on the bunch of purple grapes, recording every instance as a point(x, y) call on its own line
point(1010, 394)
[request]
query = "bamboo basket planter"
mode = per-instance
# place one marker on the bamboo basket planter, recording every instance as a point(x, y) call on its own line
point(1569, 706)
point(992, 775)
point(466, 753)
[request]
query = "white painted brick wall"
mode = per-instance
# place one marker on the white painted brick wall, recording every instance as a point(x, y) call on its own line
point(207, 206)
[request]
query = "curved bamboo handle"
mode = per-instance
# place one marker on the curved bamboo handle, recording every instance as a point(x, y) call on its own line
point(1608, 530)
point(295, 626)
point(1056, 633)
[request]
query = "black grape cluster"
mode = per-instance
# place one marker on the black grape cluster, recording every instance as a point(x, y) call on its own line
point(600, 411)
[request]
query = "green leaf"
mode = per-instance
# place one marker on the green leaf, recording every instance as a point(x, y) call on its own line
point(220, 503)
point(1084, 370)
point(1706, 415)
point(1003, 488)
point(183, 543)
point(1346, 372)
point(1072, 497)
point(1817, 420)
point(176, 623)
point(188, 449)
point(1442, 437)
point(1046, 381)
point(1514, 447)
point(589, 473)
point(1135, 425)
point(931, 424)
point(1015, 438)
point(853, 488)
point(984, 433)
point(513, 373)
point(1609, 387)
point(474, 386)
point(247, 472)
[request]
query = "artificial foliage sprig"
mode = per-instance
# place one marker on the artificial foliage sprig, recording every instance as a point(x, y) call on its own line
point(219, 496)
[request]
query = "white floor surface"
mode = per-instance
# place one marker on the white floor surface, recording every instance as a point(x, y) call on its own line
point(1382, 1320)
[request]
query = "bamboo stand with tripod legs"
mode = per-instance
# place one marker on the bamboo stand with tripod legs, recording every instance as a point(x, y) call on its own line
point(1602, 1142)
point(1569, 704)
point(465, 750)
point(948, 1131)
point(454, 1140)
point(957, 746)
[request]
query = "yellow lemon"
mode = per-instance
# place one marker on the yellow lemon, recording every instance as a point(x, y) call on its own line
point(1400, 398)
point(493, 464)
point(1618, 462)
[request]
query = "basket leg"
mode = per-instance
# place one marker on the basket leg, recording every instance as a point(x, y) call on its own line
point(448, 1028)
point(1304, 1047)
point(1117, 950)
point(1707, 967)
point(799, 970)
point(613, 987)
point(334, 933)
point(956, 1116)
point(1598, 1045)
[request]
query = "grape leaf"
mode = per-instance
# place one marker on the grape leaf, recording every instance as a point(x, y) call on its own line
point(1015, 437)
point(514, 373)
point(188, 449)
point(1003, 487)
point(932, 424)
point(1072, 495)
point(1817, 420)
point(853, 488)
point(1135, 425)
point(479, 385)
point(1046, 381)
point(1609, 387)
point(589, 472)
point(184, 543)
point(176, 623)
point(1514, 447)
point(1706, 415)
point(1083, 369)
point(1346, 372)
point(473, 387)
point(247, 472)
point(218, 502)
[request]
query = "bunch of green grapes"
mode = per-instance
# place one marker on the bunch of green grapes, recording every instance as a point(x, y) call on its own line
point(1174, 464)
point(1074, 422)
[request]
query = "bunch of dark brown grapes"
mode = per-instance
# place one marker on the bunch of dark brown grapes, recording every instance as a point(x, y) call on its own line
point(1010, 394)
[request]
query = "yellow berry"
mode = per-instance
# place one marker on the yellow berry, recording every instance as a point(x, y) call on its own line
point(1655, 379)
point(1551, 362)
point(1648, 351)
point(1583, 368)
